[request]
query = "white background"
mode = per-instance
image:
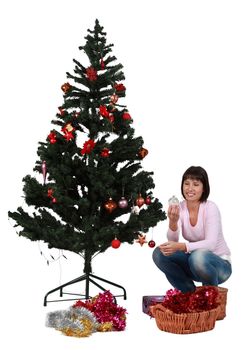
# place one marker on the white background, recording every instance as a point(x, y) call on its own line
point(185, 79)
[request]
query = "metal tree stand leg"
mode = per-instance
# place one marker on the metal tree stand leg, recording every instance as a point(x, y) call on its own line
point(88, 277)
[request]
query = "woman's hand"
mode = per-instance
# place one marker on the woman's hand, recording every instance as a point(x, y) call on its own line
point(171, 247)
point(173, 215)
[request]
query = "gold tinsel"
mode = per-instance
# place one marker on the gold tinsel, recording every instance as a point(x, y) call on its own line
point(76, 332)
point(105, 327)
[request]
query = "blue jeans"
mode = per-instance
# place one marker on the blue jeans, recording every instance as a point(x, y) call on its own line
point(182, 269)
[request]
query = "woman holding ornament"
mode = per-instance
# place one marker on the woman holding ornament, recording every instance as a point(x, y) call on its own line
point(204, 256)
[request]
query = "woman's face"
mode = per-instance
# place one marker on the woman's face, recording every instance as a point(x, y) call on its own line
point(192, 190)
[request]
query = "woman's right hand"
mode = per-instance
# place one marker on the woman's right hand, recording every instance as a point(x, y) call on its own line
point(173, 215)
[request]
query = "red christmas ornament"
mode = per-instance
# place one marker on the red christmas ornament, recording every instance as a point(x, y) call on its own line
point(151, 243)
point(110, 205)
point(52, 137)
point(103, 111)
point(88, 146)
point(115, 243)
point(65, 87)
point(67, 130)
point(54, 200)
point(119, 87)
point(126, 116)
point(105, 152)
point(50, 193)
point(91, 73)
point(148, 200)
point(143, 153)
point(141, 239)
point(140, 201)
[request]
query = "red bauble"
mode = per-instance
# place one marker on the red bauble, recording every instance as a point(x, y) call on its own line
point(140, 201)
point(148, 200)
point(126, 116)
point(151, 243)
point(110, 205)
point(143, 153)
point(115, 243)
point(105, 152)
point(66, 87)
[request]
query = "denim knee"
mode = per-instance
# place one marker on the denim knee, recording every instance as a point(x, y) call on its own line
point(156, 255)
point(197, 259)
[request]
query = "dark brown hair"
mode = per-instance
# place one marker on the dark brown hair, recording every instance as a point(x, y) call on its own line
point(197, 173)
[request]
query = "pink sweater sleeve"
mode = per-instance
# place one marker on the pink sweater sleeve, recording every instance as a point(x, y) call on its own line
point(173, 235)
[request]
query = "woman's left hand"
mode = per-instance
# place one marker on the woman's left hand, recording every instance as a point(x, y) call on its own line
point(171, 247)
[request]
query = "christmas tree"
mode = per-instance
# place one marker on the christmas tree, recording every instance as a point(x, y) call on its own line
point(90, 165)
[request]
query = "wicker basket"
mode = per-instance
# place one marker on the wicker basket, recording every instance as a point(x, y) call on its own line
point(186, 323)
point(222, 300)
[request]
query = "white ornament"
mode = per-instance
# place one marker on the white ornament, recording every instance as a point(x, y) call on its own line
point(173, 201)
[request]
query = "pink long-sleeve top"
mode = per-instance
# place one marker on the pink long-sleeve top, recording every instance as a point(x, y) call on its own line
point(206, 234)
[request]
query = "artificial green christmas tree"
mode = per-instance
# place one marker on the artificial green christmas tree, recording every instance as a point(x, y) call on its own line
point(91, 164)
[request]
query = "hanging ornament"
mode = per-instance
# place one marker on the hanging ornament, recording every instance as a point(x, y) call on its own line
point(151, 243)
point(123, 203)
point(105, 152)
point(52, 137)
point(91, 73)
point(148, 200)
point(119, 87)
point(114, 98)
point(103, 111)
point(102, 64)
point(44, 171)
point(51, 195)
point(140, 201)
point(173, 201)
point(66, 87)
point(143, 153)
point(115, 243)
point(88, 146)
point(141, 239)
point(126, 116)
point(68, 127)
point(110, 205)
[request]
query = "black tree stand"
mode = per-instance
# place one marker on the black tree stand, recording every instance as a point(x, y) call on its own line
point(88, 277)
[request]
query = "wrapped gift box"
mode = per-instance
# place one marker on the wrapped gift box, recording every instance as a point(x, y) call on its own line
point(149, 300)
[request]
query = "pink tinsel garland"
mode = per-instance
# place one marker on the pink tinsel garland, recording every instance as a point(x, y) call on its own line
point(202, 299)
point(105, 309)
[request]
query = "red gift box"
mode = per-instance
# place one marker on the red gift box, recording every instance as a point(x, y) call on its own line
point(149, 300)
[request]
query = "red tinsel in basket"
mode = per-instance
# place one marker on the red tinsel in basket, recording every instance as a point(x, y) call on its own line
point(105, 310)
point(202, 299)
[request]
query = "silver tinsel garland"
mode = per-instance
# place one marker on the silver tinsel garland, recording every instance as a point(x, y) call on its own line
point(72, 319)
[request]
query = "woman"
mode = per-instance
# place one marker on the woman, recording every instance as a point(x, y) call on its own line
point(205, 256)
